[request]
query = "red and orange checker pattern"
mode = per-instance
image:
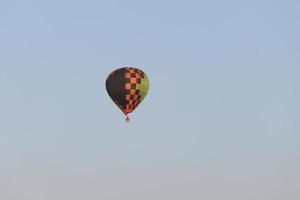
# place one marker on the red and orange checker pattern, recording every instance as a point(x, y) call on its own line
point(133, 97)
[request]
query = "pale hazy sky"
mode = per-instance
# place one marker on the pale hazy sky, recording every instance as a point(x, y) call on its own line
point(221, 121)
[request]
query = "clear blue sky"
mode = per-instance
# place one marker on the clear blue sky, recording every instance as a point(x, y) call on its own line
point(221, 121)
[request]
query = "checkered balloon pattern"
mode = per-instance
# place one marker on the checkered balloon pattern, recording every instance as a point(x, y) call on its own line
point(127, 87)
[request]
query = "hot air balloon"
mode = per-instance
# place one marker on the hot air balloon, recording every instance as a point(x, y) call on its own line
point(127, 87)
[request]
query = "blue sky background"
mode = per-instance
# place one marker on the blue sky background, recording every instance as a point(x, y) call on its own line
point(221, 121)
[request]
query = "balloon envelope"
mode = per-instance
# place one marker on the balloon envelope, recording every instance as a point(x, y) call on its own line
point(127, 87)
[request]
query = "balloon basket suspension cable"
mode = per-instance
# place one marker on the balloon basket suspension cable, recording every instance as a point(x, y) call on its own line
point(127, 120)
